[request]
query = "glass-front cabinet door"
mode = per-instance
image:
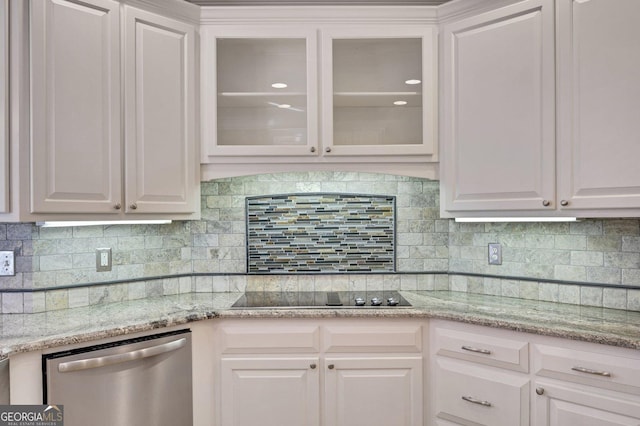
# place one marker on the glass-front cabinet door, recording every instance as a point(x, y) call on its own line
point(379, 91)
point(265, 89)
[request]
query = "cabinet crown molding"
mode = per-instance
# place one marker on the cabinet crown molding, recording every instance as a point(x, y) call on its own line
point(319, 14)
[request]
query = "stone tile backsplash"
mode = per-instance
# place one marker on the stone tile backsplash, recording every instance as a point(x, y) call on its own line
point(210, 254)
point(605, 251)
point(216, 244)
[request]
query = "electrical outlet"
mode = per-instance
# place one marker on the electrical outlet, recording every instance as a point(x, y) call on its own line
point(103, 259)
point(495, 254)
point(7, 263)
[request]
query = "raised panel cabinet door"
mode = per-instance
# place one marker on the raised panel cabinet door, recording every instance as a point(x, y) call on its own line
point(598, 104)
point(373, 391)
point(498, 150)
point(160, 145)
point(75, 106)
point(270, 392)
point(4, 106)
point(557, 404)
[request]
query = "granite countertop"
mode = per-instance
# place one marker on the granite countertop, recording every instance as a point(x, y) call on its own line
point(30, 332)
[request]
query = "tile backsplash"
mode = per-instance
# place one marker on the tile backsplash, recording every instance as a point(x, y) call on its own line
point(320, 232)
point(557, 259)
point(547, 261)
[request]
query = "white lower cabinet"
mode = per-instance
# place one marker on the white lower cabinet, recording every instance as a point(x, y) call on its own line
point(270, 391)
point(481, 395)
point(477, 376)
point(368, 391)
point(585, 385)
point(309, 372)
point(487, 376)
point(562, 404)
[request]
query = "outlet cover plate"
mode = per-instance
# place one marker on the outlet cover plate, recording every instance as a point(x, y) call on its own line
point(103, 259)
point(7, 263)
point(495, 254)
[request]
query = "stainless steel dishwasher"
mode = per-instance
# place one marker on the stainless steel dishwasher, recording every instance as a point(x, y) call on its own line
point(135, 382)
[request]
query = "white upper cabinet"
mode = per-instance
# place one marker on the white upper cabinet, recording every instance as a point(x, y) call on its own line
point(76, 138)
point(540, 112)
point(161, 164)
point(112, 112)
point(373, 98)
point(498, 148)
point(599, 105)
point(4, 106)
point(260, 92)
point(305, 91)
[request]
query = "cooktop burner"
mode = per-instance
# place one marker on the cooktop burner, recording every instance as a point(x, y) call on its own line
point(322, 299)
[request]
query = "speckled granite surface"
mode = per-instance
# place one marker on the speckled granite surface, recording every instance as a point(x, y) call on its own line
point(29, 332)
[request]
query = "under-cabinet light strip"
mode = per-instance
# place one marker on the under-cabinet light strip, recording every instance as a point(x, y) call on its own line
point(58, 224)
point(515, 219)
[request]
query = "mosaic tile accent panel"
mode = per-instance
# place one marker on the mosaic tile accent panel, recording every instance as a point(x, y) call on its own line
point(326, 232)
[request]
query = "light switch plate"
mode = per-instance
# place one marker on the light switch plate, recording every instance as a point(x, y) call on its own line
point(7, 263)
point(495, 254)
point(103, 259)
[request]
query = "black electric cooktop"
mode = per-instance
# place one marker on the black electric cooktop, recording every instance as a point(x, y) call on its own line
point(322, 299)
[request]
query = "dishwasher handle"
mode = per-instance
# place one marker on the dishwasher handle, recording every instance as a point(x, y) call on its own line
point(85, 364)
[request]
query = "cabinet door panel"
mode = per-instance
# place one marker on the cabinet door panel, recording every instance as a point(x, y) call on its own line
point(75, 106)
point(499, 138)
point(599, 103)
point(159, 111)
point(270, 392)
point(373, 391)
point(566, 405)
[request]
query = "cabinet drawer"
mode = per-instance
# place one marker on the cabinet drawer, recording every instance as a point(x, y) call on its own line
point(480, 394)
point(285, 338)
point(373, 338)
point(596, 369)
point(498, 352)
point(483, 395)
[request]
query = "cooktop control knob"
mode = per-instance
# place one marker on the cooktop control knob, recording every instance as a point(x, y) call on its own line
point(376, 301)
point(392, 302)
point(360, 301)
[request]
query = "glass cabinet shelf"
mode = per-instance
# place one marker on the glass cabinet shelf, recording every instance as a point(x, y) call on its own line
point(294, 101)
point(377, 99)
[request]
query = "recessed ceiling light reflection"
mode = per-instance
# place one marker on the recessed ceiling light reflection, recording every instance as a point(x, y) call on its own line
point(400, 103)
point(413, 81)
point(279, 85)
point(285, 106)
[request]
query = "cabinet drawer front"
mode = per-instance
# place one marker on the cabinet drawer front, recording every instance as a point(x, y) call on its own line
point(481, 395)
point(280, 339)
point(489, 350)
point(596, 369)
point(373, 338)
